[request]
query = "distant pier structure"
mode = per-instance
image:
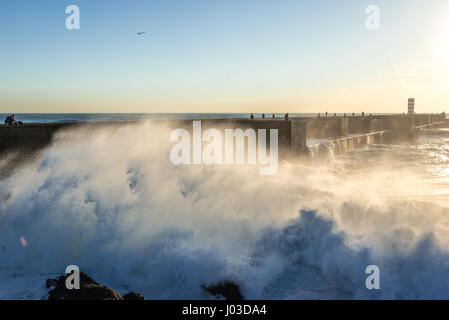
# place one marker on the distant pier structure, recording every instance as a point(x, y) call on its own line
point(296, 135)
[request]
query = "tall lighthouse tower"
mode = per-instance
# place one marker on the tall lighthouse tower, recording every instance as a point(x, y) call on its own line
point(411, 105)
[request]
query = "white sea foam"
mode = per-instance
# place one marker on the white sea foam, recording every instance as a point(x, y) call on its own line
point(111, 202)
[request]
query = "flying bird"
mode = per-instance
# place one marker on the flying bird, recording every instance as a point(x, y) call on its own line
point(140, 33)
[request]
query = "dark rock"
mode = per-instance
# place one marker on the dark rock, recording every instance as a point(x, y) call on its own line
point(227, 289)
point(133, 296)
point(51, 283)
point(86, 292)
point(89, 290)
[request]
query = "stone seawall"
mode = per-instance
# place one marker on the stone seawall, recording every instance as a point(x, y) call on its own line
point(293, 134)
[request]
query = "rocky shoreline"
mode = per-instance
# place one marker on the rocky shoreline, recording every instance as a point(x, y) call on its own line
point(89, 290)
point(92, 290)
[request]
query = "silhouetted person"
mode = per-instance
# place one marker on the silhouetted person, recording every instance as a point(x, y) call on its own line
point(263, 115)
point(335, 114)
point(286, 116)
point(345, 115)
point(363, 114)
point(353, 114)
point(326, 114)
point(319, 114)
point(273, 116)
point(10, 121)
point(251, 116)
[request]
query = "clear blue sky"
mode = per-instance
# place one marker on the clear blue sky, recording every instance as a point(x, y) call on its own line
point(223, 56)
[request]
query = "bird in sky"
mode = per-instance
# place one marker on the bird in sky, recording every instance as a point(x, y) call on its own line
point(140, 33)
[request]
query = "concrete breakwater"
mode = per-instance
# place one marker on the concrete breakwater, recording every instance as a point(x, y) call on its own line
point(345, 133)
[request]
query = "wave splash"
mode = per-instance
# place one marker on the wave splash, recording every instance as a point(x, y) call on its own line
point(111, 202)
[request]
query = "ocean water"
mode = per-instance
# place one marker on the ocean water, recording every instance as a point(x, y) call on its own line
point(115, 117)
point(112, 203)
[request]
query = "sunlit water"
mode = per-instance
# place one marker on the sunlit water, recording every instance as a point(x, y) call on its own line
point(113, 204)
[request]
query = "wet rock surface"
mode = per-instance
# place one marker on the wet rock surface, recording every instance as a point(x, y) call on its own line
point(226, 289)
point(89, 290)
